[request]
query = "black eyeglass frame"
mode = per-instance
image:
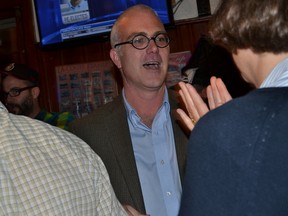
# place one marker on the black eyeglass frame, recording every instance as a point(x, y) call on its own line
point(148, 39)
point(17, 90)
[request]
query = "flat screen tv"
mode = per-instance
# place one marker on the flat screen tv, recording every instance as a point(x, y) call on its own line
point(61, 22)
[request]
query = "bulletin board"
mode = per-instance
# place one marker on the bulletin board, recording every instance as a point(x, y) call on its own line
point(85, 87)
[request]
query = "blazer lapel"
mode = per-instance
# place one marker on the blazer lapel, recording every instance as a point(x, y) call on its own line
point(123, 150)
point(181, 139)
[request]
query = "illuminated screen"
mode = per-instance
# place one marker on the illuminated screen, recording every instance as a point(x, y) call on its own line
point(69, 20)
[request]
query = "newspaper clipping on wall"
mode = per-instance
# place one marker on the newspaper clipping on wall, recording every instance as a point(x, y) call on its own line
point(85, 87)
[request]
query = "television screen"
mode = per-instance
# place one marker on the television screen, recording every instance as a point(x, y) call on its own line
point(62, 21)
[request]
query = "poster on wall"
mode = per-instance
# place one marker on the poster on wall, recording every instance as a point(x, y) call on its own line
point(85, 87)
point(177, 61)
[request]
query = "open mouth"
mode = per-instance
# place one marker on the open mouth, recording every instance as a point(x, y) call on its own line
point(152, 65)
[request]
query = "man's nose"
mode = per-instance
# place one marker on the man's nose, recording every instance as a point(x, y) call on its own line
point(152, 47)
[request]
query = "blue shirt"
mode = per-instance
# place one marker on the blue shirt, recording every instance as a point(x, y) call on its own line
point(278, 76)
point(155, 154)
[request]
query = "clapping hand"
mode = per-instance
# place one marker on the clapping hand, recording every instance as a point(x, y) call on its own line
point(217, 95)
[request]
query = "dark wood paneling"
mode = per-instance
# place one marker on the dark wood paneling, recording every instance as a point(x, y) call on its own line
point(186, 34)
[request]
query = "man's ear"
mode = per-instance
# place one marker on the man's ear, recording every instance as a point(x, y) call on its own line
point(115, 58)
point(35, 92)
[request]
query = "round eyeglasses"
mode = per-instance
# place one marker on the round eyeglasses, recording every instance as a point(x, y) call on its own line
point(16, 91)
point(141, 41)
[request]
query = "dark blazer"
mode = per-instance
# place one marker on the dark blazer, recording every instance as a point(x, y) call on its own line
point(106, 130)
point(237, 162)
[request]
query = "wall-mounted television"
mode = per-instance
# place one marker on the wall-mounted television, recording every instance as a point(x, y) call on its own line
point(62, 21)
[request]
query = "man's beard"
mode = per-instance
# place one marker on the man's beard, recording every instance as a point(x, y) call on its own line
point(25, 108)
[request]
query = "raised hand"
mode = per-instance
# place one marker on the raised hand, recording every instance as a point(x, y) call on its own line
point(217, 95)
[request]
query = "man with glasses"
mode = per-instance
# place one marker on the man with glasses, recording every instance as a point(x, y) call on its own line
point(136, 135)
point(21, 90)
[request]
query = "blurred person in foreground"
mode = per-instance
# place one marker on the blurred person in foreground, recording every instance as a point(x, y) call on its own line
point(136, 136)
point(237, 156)
point(20, 85)
point(45, 170)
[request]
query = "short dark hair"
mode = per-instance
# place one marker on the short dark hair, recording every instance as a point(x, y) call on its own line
point(261, 25)
point(22, 72)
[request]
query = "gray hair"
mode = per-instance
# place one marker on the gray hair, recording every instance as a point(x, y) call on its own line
point(115, 35)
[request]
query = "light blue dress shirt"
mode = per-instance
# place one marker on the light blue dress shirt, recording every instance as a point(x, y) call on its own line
point(278, 76)
point(155, 154)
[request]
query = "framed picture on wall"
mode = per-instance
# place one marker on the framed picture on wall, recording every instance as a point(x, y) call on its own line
point(177, 61)
point(85, 87)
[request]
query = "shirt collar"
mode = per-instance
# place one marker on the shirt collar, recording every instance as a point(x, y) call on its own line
point(278, 77)
point(132, 112)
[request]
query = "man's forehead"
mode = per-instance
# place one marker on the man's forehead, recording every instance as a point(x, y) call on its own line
point(133, 28)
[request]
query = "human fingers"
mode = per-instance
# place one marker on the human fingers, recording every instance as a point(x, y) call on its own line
point(194, 104)
point(214, 94)
point(210, 97)
point(217, 93)
point(224, 94)
point(185, 119)
point(200, 107)
point(187, 99)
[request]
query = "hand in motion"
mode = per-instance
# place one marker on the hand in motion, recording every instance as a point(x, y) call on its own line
point(217, 95)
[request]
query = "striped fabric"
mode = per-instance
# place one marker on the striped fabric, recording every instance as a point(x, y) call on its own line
point(278, 77)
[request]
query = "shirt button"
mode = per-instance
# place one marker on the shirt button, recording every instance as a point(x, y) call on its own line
point(162, 162)
point(168, 193)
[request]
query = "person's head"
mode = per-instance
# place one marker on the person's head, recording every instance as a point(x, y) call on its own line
point(20, 88)
point(140, 48)
point(260, 25)
point(251, 28)
point(74, 3)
